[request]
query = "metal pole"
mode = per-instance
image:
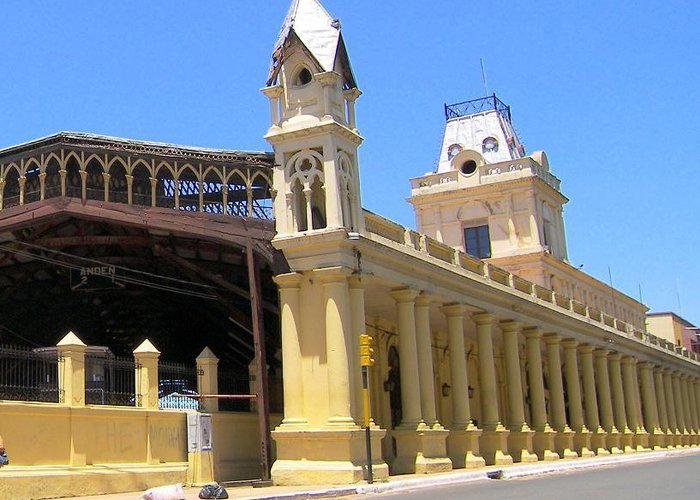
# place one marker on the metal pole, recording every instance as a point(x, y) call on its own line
point(368, 438)
point(260, 362)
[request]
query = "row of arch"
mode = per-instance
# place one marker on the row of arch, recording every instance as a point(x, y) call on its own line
point(230, 190)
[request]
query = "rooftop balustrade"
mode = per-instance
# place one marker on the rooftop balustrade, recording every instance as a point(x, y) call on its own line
point(485, 174)
point(385, 230)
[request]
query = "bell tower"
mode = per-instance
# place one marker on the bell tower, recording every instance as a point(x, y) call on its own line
point(312, 94)
point(318, 221)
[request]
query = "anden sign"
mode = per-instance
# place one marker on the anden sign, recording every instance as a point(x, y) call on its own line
point(95, 278)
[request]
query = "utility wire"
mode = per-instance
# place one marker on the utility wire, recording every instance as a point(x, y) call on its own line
point(126, 279)
point(87, 259)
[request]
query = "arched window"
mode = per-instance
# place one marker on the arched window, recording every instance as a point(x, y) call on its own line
point(10, 195)
point(95, 181)
point(141, 186)
point(347, 189)
point(302, 77)
point(304, 172)
point(118, 189)
point(52, 181)
point(489, 145)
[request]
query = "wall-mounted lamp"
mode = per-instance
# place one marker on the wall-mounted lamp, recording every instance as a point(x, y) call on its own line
point(353, 235)
point(470, 391)
point(445, 390)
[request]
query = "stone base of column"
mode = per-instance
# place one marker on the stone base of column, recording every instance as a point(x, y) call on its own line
point(614, 442)
point(627, 441)
point(420, 450)
point(463, 448)
point(685, 439)
point(520, 445)
point(641, 440)
point(599, 442)
point(582, 443)
point(200, 470)
point(564, 444)
point(326, 456)
point(543, 444)
point(657, 440)
point(677, 439)
point(693, 438)
point(494, 446)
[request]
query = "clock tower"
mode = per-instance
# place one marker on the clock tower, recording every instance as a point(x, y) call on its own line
point(487, 196)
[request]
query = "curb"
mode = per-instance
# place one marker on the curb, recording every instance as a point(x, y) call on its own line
point(510, 472)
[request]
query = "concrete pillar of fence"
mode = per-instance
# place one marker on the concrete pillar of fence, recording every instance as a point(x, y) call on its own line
point(71, 373)
point(208, 379)
point(146, 358)
point(71, 386)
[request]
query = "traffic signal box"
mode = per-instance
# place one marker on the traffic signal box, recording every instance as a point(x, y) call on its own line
point(366, 350)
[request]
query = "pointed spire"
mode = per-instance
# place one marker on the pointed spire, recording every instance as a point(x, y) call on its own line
point(146, 347)
point(71, 339)
point(311, 24)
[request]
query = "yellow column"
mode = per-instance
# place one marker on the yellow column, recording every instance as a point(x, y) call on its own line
point(678, 403)
point(697, 399)
point(338, 351)
point(71, 386)
point(685, 396)
point(411, 417)
point(71, 373)
point(425, 361)
point(590, 400)
point(543, 440)
point(419, 449)
point(694, 406)
point(318, 441)
point(631, 391)
point(520, 437)
point(564, 440)
point(208, 379)
point(494, 444)
point(357, 306)
point(146, 356)
point(292, 378)
point(649, 405)
point(676, 440)
point(582, 439)
point(463, 441)
point(605, 401)
point(661, 406)
point(618, 400)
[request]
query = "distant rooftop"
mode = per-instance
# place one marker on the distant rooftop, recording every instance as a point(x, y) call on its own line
point(96, 141)
point(481, 105)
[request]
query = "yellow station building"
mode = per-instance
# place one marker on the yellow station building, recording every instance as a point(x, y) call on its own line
point(490, 347)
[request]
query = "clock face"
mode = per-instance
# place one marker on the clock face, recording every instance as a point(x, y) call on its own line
point(453, 151)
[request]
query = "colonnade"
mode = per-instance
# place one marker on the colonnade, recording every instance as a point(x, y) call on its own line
point(559, 395)
point(592, 400)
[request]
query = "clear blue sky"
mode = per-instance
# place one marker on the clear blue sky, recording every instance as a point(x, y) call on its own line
point(609, 89)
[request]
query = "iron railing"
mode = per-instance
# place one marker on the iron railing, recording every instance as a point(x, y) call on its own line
point(26, 375)
point(180, 379)
point(110, 381)
point(234, 383)
point(481, 105)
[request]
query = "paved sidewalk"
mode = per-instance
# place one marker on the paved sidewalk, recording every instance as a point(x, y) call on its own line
point(413, 481)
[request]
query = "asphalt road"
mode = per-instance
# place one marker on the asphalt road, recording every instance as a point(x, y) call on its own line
point(666, 479)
